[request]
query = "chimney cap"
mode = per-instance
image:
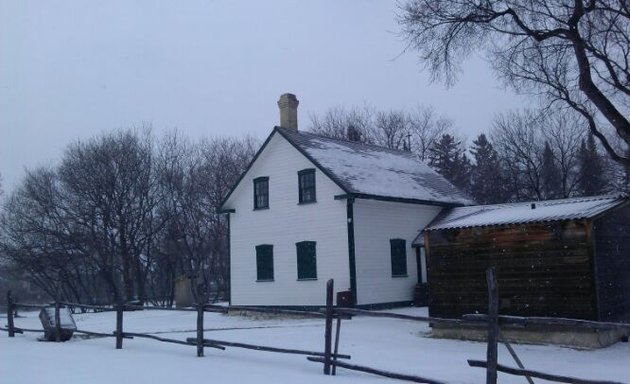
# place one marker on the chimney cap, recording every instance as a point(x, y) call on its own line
point(288, 98)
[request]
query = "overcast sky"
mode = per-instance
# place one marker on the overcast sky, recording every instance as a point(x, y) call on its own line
point(72, 69)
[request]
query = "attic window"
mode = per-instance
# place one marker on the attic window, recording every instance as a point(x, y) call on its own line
point(306, 185)
point(261, 193)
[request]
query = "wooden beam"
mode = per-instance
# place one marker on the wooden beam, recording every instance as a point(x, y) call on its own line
point(517, 359)
point(10, 324)
point(493, 326)
point(425, 319)
point(379, 372)
point(210, 342)
point(119, 325)
point(167, 340)
point(539, 375)
point(200, 330)
point(328, 327)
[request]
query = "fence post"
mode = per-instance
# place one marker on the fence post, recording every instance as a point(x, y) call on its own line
point(199, 330)
point(57, 322)
point(328, 330)
point(119, 324)
point(334, 368)
point(10, 314)
point(493, 326)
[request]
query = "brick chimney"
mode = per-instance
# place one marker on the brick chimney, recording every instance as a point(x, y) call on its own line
point(288, 104)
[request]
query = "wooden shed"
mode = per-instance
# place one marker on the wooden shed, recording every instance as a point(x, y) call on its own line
point(558, 258)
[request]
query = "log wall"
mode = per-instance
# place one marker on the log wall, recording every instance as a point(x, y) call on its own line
point(542, 270)
point(612, 249)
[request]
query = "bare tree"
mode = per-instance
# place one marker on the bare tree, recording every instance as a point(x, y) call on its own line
point(120, 218)
point(520, 149)
point(111, 190)
point(354, 124)
point(195, 178)
point(426, 128)
point(570, 53)
point(391, 130)
point(565, 132)
point(40, 240)
point(539, 152)
point(414, 131)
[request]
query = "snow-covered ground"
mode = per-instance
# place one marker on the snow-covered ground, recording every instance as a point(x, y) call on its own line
point(394, 345)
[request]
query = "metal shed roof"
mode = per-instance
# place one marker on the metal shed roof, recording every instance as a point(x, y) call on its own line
point(526, 212)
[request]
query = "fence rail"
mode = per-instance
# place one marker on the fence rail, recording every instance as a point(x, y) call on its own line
point(329, 357)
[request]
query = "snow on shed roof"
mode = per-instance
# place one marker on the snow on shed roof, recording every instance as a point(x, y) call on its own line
point(371, 170)
point(526, 212)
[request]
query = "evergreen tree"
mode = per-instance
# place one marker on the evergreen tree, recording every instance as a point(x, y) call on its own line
point(592, 177)
point(447, 157)
point(551, 182)
point(486, 177)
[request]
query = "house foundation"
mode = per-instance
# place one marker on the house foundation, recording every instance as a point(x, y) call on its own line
point(555, 335)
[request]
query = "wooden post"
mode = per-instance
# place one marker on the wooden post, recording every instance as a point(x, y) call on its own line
point(493, 326)
point(57, 322)
point(199, 330)
point(328, 330)
point(119, 324)
point(10, 314)
point(517, 360)
point(334, 368)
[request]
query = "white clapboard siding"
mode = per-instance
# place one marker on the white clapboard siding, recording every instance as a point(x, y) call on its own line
point(375, 223)
point(282, 225)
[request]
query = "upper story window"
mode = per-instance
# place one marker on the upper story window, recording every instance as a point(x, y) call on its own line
point(399, 257)
point(306, 182)
point(261, 193)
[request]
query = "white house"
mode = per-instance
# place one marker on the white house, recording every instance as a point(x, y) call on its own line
point(310, 208)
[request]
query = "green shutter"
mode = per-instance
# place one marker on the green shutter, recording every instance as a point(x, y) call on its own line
point(264, 262)
point(399, 257)
point(306, 260)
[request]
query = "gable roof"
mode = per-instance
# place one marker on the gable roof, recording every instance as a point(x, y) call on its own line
point(370, 171)
point(526, 212)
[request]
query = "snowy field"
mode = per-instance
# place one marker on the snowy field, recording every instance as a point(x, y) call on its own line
point(394, 345)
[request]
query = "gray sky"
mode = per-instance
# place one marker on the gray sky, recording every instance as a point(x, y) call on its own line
point(71, 69)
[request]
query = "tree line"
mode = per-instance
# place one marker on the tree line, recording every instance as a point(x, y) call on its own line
point(123, 215)
point(568, 55)
point(527, 155)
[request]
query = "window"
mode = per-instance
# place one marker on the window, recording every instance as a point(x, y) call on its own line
point(264, 262)
point(306, 183)
point(261, 193)
point(306, 260)
point(399, 257)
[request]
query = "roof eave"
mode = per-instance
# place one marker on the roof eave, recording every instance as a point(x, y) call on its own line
point(249, 166)
point(366, 196)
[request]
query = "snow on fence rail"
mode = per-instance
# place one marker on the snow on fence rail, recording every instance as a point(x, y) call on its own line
point(329, 313)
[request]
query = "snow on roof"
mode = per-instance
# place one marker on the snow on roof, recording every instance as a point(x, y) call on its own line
point(376, 171)
point(526, 212)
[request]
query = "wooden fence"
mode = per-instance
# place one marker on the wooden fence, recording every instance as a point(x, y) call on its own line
point(330, 355)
